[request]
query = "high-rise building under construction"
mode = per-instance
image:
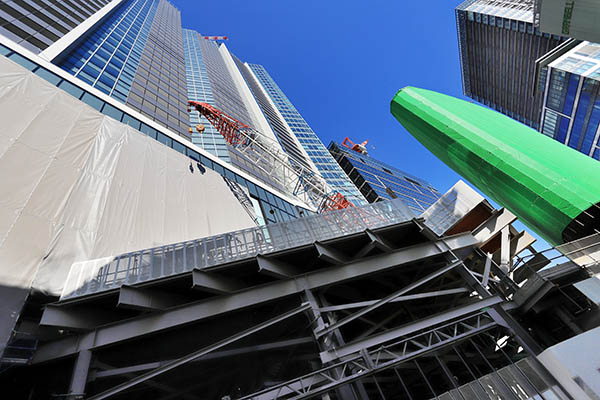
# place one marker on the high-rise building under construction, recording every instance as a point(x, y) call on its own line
point(139, 260)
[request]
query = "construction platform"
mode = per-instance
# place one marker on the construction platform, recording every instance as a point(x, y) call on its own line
point(368, 302)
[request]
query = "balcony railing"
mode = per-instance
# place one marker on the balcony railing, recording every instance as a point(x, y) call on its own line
point(94, 276)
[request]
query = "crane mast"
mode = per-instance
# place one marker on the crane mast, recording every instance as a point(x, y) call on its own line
point(267, 156)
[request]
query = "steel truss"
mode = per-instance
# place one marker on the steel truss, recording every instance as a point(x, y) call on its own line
point(197, 354)
point(366, 363)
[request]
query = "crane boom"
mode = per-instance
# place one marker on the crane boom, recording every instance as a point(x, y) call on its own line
point(279, 166)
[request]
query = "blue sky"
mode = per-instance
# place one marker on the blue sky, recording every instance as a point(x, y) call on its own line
point(341, 62)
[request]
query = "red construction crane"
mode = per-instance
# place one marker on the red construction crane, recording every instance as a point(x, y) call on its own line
point(215, 37)
point(267, 155)
point(359, 148)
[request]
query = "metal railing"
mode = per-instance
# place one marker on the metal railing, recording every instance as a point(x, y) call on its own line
point(93, 276)
point(583, 252)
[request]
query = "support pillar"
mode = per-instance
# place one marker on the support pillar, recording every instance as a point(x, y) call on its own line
point(331, 342)
point(80, 374)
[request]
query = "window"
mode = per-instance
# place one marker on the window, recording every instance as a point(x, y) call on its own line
point(133, 122)
point(92, 101)
point(3, 50)
point(179, 147)
point(47, 75)
point(71, 89)
point(164, 139)
point(148, 131)
point(193, 155)
point(19, 59)
point(112, 112)
point(412, 181)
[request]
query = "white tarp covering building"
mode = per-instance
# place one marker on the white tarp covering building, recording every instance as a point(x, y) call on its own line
point(78, 185)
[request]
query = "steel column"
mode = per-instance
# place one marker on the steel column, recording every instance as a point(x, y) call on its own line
point(80, 373)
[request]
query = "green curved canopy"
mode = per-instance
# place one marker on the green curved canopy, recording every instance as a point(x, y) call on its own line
point(545, 183)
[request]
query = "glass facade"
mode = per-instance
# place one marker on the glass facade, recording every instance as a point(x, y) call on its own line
point(326, 165)
point(272, 207)
point(37, 24)
point(378, 181)
point(108, 58)
point(283, 133)
point(139, 55)
point(159, 85)
point(199, 89)
point(572, 101)
point(136, 56)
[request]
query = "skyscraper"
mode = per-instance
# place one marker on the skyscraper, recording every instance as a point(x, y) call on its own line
point(377, 180)
point(571, 92)
point(127, 62)
point(498, 45)
point(35, 25)
point(326, 165)
point(136, 56)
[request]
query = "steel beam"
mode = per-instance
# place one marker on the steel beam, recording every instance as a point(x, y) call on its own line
point(197, 354)
point(505, 249)
point(80, 373)
point(407, 297)
point(130, 375)
point(501, 316)
point(387, 299)
point(365, 364)
point(519, 242)
point(76, 318)
point(330, 255)
point(275, 268)
point(493, 225)
point(212, 356)
point(392, 334)
point(486, 271)
point(375, 242)
point(146, 299)
point(213, 282)
point(193, 312)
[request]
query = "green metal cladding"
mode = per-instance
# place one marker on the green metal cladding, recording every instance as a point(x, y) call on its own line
point(545, 183)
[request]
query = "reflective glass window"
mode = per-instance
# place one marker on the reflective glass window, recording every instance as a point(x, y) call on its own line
point(92, 101)
point(47, 75)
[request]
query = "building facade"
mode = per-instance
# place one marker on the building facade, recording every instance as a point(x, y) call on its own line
point(571, 107)
point(316, 150)
point(498, 46)
point(136, 56)
point(576, 19)
point(378, 181)
point(199, 89)
point(35, 25)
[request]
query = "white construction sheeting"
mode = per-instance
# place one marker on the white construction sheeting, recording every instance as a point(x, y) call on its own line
point(77, 185)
